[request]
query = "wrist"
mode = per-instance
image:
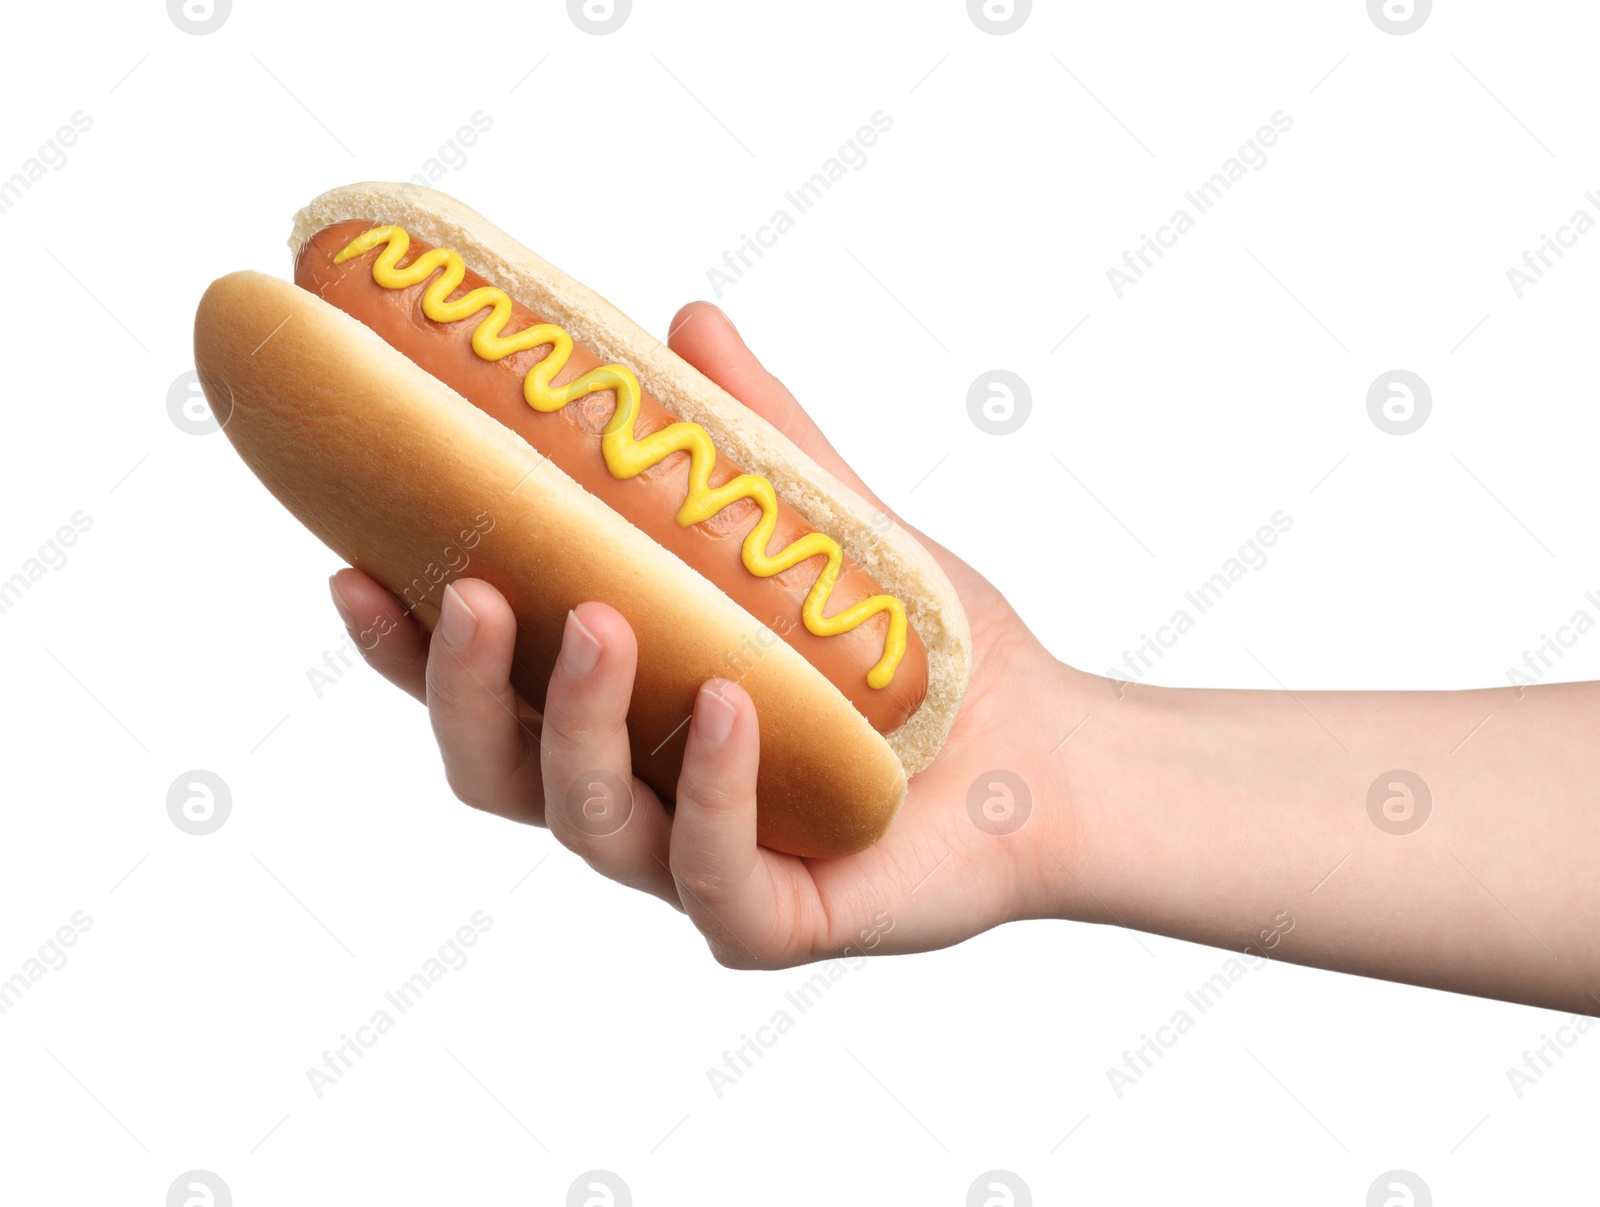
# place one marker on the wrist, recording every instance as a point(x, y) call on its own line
point(1072, 777)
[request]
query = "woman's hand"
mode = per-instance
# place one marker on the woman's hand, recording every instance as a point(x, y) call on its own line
point(946, 869)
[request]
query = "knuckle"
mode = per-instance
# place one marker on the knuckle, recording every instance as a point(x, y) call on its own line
point(569, 728)
point(559, 816)
point(466, 791)
point(484, 784)
point(745, 952)
point(703, 884)
point(731, 955)
point(569, 835)
point(558, 811)
point(444, 690)
point(709, 795)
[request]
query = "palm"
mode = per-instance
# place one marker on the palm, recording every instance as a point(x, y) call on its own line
point(935, 878)
point(921, 874)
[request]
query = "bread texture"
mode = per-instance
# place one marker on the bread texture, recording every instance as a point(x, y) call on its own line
point(410, 482)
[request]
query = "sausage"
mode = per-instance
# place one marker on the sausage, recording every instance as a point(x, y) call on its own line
point(570, 437)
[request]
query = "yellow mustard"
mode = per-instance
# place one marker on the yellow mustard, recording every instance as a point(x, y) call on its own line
point(625, 454)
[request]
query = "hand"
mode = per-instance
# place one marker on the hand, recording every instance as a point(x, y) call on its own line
point(936, 878)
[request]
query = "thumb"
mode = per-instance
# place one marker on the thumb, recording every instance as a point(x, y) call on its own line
point(708, 340)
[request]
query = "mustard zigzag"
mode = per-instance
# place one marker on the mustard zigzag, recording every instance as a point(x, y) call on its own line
point(626, 455)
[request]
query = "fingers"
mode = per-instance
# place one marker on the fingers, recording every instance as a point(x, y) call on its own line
point(593, 805)
point(725, 881)
point(389, 638)
point(573, 772)
point(491, 755)
point(708, 340)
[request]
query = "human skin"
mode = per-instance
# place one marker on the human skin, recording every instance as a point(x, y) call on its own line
point(1235, 818)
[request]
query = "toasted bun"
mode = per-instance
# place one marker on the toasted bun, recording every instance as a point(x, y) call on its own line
point(411, 483)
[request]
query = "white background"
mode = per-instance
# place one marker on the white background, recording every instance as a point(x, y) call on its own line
point(1229, 383)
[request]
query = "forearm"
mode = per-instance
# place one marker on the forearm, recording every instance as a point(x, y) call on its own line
point(1242, 819)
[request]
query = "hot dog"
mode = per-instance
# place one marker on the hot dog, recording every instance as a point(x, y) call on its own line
point(425, 371)
point(570, 437)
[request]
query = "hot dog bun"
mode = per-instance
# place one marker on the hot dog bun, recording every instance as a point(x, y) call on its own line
point(441, 327)
point(409, 481)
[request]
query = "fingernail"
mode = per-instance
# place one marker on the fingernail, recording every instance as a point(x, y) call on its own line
point(339, 605)
point(457, 622)
point(580, 649)
point(713, 716)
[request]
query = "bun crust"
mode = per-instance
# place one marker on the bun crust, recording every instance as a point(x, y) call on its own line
point(408, 481)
